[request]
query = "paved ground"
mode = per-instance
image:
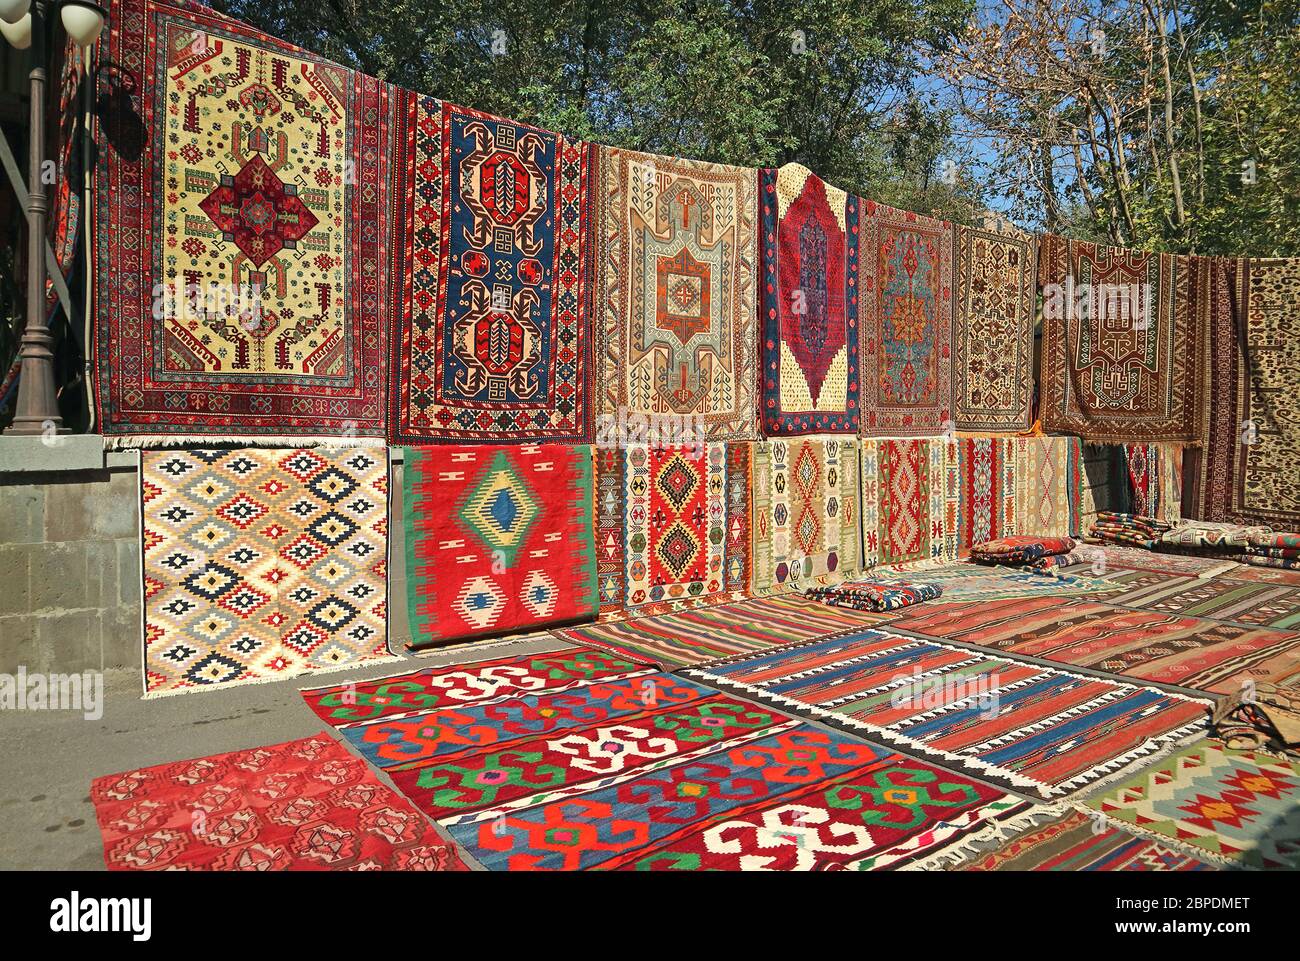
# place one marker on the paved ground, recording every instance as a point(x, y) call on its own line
point(48, 758)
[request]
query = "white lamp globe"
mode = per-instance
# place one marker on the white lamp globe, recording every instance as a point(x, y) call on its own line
point(19, 34)
point(83, 20)
point(11, 11)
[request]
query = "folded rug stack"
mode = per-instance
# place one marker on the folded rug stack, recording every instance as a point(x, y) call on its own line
point(1274, 549)
point(1210, 539)
point(1026, 550)
point(866, 594)
point(1135, 529)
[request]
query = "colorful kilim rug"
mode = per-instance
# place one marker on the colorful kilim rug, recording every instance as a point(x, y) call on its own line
point(986, 484)
point(304, 805)
point(993, 330)
point(805, 521)
point(810, 305)
point(1249, 458)
point(244, 248)
point(907, 276)
point(1193, 652)
point(1210, 535)
point(648, 771)
point(696, 636)
point(1222, 598)
point(1020, 549)
point(876, 594)
point(909, 491)
point(1236, 806)
point(1018, 724)
point(1049, 479)
point(1121, 329)
point(261, 564)
point(498, 538)
point(1105, 557)
point(1264, 575)
point(673, 522)
point(676, 259)
point(496, 260)
point(1155, 473)
point(968, 582)
point(1073, 841)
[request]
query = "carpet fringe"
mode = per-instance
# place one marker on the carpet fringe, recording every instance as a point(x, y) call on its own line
point(971, 846)
point(118, 442)
point(227, 685)
point(1138, 830)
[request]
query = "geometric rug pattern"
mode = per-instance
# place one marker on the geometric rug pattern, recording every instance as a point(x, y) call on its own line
point(1236, 806)
point(649, 771)
point(1021, 725)
point(303, 805)
point(262, 563)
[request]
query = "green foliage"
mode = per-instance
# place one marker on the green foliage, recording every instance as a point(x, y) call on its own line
point(832, 85)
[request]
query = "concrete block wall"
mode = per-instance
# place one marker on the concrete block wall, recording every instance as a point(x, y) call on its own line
point(69, 570)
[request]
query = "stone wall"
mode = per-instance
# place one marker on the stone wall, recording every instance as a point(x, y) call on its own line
point(69, 570)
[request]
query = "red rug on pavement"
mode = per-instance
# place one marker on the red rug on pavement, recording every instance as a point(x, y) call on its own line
point(305, 805)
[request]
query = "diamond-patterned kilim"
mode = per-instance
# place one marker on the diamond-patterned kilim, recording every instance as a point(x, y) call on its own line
point(910, 489)
point(244, 247)
point(495, 345)
point(262, 563)
point(810, 305)
point(498, 538)
point(805, 511)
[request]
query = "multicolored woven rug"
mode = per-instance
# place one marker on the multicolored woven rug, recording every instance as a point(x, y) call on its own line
point(805, 521)
point(1024, 726)
point(498, 538)
point(673, 522)
point(647, 771)
point(904, 495)
point(696, 636)
point(1236, 806)
point(1121, 350)
point(1223, 598)
point(261, 564)
point(1049, 485)
point(993, 330)
point(1249, 458)
point(676, 295)
point(907, 283)
point(496, 263)
point(967, 582)
point(1193, 652)
point(244, 249)
point(1073, 841)
point(1107, 557)
point(303, 805)
point(810, 305)
point(986, 485)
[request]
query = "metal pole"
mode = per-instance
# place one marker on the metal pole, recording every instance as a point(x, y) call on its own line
point(37, 410)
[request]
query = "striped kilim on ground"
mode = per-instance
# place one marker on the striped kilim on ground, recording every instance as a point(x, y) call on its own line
point(1222, 598)
point(705, 634)
point(1193, 652)
point(1022, 725)
point(1073, 841)
point(643, 770)
point(1236, 806)
point(968, 582)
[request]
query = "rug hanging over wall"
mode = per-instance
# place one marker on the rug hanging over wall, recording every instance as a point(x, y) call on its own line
point(905, 498)
point(669, 527)
point(907, 280)
point(1249, 459)
point(593, 768)
point(304, 805)
point(244, 245)
point(261, 564)
point(805, 511)
point(993, 330)
point(676, 260)
point(498, 538)
point(810, 305)
point(1049, 486)
point(1121, 343)
point(494, 343)
point(986, 489)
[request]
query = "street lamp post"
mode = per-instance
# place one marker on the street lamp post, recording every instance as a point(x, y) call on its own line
point(25, 23)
